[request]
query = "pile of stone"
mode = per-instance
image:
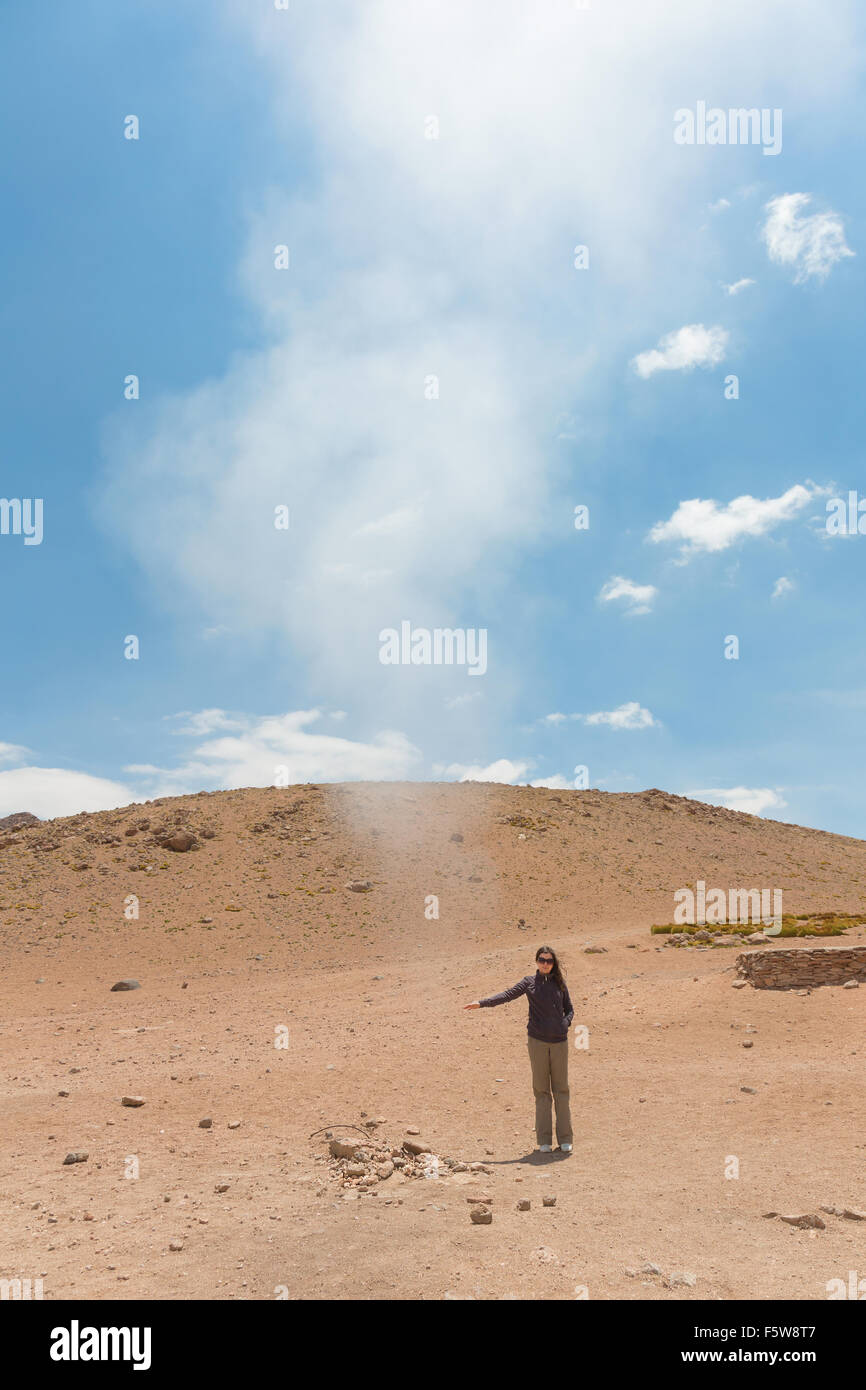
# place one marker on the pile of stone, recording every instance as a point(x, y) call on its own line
point(704, 937)
point(365, 1163)
point(803, 968)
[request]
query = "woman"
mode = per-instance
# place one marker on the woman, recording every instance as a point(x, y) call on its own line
point(550, 1016)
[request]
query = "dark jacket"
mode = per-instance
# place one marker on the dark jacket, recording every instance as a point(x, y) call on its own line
point(550, 1012)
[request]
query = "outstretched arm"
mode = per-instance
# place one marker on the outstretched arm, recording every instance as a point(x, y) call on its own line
point(506, 995)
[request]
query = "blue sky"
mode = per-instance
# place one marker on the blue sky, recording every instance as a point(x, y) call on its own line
point(412, 257)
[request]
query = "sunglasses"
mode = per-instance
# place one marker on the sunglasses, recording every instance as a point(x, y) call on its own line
point(544, 960)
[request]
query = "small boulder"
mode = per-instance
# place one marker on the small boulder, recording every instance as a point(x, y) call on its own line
point(125, 984)
point(359, 885)
point(481, 1216)
point(416, 1146)
point(179, 841)
point(77, 1156)
point(133, 1101)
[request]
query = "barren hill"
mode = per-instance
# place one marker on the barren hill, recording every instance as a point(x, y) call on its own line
point(314, 910)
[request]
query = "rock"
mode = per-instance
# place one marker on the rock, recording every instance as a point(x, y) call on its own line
point(77, 1156)
point(548, 1201)
point(595, 950)
point(132, 1100)
point(221, 1187)
point(18, 820)
point(413, 1130)
point(234, 1124)
point(63, 1093)
point(416, 1146)
point(124, 985)
point(683, 1276)
point(205, 1124)
point(355, 1170)
point(384, 1170)
point(851, 984)
point(179, 841)
point(175, 1245)
point(524, 1204)
point(748, 1044)
point(756, 938)
point(853, 1214)
point(480, 1216)
point(359, 885)
point(739, 984)
point(484, 1200)
point(457, 838)
point(649, 1268)
point(809, 1221)
point(749, 1090)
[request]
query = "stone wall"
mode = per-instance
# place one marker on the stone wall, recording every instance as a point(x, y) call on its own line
point(802, 968)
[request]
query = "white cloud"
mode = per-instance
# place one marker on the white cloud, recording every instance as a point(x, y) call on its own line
point(782, 587)
point(400, 247)
point(252, 757)
point(557, 718)
point(627, 716)
point(638, 598)
point(47, 792)
point(398, 520)
point(503, 770)
point(811, 244)
point(459, 700)
point(738, 286)
point(685, 348)
point(704, 525)
point(755, 800)
point(205, 721)
point(721, 205)
point(12, 752)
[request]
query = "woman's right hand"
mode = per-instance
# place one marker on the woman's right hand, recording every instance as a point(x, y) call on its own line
point(474, 1005)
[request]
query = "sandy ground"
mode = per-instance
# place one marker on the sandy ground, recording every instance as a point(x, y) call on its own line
point(368, 993)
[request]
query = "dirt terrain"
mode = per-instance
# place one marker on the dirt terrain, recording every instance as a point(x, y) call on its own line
point(275, 1001)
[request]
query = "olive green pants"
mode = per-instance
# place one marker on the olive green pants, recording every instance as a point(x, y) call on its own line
point(549, 1063)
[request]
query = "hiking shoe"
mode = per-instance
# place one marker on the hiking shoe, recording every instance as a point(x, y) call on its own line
point(566, 1148)
point(545, 1148)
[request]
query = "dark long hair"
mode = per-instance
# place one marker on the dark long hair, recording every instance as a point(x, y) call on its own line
point(556, 973)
